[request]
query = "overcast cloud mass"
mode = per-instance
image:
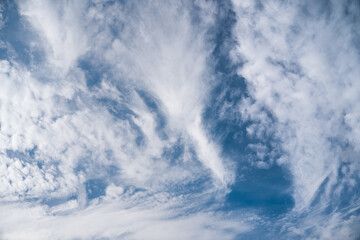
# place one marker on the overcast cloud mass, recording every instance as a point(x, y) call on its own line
point(199, 119)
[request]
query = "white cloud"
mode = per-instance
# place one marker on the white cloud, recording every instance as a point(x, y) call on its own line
point(59, 25)
point(130, 217)
point(56, 134)
point(161, 52)
point(300, 61)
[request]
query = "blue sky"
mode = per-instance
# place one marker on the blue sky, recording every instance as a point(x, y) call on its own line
point(179, 119)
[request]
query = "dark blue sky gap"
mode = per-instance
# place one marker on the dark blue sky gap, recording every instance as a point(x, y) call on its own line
point(266, 190)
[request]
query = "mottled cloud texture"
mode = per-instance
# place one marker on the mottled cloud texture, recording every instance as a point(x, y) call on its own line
point(122, 119)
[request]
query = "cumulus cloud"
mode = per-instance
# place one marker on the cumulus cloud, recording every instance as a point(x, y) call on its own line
point(103, 134)
point(76, 152)
point(300, 61)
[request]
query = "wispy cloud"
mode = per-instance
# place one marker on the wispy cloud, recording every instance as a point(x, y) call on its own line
point(300, 61)
point(74, 152)
point(134, 217)
point(60, 27)
point(103, 133)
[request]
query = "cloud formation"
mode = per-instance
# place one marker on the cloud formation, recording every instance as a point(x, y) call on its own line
point(179, 120)
point(78, 145)
point(300, 62)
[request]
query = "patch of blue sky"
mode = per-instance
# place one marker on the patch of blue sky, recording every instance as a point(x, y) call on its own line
point(55, 201)
point(95, 188)
point(93, 71)
point(155, 109)
point(118, 110)
point(267, 190)
point(221, 35)
point(15, 34)
point(27, 155)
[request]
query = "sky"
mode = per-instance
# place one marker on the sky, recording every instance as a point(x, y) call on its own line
point(201, 119)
